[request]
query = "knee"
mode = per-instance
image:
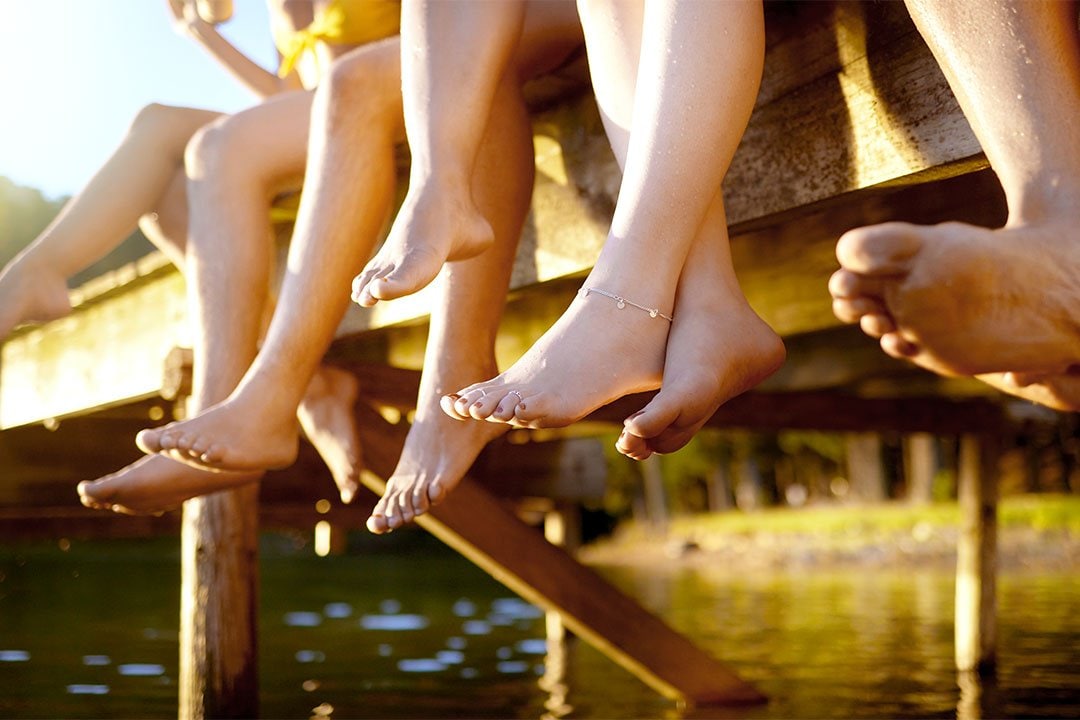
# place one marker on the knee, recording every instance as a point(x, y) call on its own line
point(364, 86)
point(213, 147)
point(156, 125)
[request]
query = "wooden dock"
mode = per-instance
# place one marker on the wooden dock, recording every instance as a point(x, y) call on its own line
point(854, 125)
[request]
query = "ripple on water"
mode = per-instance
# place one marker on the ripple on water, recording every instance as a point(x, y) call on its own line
point(310, 656)
point(386, 650)
point(464, 608)
point(469, 673)
point(512, 667)
point(504, 653)
point(532, 646)
point(516, 608)
point(394, 622)
point(475, 627)
point(85, 689)
point(14, 656)
point(390, 607)
point(421, 665)
point(141, 669)
point(457, 643)
point(450, 657)
point(303, 619)
point(337, 610)
point(96, 660)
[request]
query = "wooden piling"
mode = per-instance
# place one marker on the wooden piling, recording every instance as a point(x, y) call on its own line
point(976, 555)
point(219, 606)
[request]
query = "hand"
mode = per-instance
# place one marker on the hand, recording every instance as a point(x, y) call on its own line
point(185, 17)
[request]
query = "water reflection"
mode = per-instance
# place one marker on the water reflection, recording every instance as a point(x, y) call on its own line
point(872, 644)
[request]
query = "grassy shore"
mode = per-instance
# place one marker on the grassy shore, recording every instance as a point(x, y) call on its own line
point(1033, 531)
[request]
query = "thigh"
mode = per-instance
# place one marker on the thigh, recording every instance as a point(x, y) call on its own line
point(551, 32)
point(270, 139)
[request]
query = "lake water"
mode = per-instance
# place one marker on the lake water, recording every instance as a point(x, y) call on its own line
point(406, 629)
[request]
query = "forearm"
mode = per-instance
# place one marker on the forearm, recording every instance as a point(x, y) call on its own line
point(252, 75)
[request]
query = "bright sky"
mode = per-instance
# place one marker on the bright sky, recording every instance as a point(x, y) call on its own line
point(73, 73)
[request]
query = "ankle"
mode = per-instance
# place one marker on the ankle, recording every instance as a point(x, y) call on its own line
point(1045, 200)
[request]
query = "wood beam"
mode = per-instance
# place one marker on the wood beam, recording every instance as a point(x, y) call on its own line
point(476, 524)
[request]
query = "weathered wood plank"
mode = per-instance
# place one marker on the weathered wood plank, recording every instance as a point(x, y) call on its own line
point(852, 101)
point(482, 529)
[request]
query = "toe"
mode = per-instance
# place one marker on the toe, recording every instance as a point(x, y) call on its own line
point(377, 523)
point(850, 285)
point(87, 496)
point(466, 400)
point(448, 403)
point(213, 455)
point(361, 287)
point(435, 492)
point(535, 411)
point(660, 413)
point(851, 310)
point(406, 277)
point(149, 441)
point(632, 446)
point(885, 249)
point(421, 500)
point(504, 411)
point(898, 347)
point(877, 325)
point(482, 408)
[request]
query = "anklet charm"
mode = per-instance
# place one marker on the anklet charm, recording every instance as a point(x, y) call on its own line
point(621, 302)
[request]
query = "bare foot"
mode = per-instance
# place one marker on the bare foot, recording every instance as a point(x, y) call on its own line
point(248, 431)
point(964, 300)
point(30, 295)
point(596, 352)
point(711, 358)
point(327, 416)
point(155, 484)
point(438, 451)
point(1060, 392)
point(429, 231)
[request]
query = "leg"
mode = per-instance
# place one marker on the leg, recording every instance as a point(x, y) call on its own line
point(672, 159)
point(349, 186)
point(461, 341)
point(446, 106)
point(132, 182)
point(962, 300)
point(235, 165)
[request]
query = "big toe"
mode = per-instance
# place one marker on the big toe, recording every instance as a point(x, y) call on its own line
point(654, 418)
point(149, 441)
point(885, 249)
point(405, 279)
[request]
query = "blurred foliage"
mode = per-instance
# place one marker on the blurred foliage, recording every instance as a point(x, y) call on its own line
point(25, 212)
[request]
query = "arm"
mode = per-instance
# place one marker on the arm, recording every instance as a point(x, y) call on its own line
point(259, 80)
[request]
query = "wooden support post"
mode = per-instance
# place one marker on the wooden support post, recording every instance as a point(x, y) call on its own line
point(865, 473)
point(219, 606)
point(920, 467)
point(976, 556)
point(484, 530)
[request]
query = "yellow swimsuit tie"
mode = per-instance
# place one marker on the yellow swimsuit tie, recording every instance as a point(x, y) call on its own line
point(327, 26)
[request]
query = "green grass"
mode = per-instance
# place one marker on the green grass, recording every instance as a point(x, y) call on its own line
point(1039, 512)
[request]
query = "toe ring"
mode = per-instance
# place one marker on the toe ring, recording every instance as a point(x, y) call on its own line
point(515, 392)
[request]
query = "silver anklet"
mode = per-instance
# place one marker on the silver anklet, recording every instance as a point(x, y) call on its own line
point(621, 302)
